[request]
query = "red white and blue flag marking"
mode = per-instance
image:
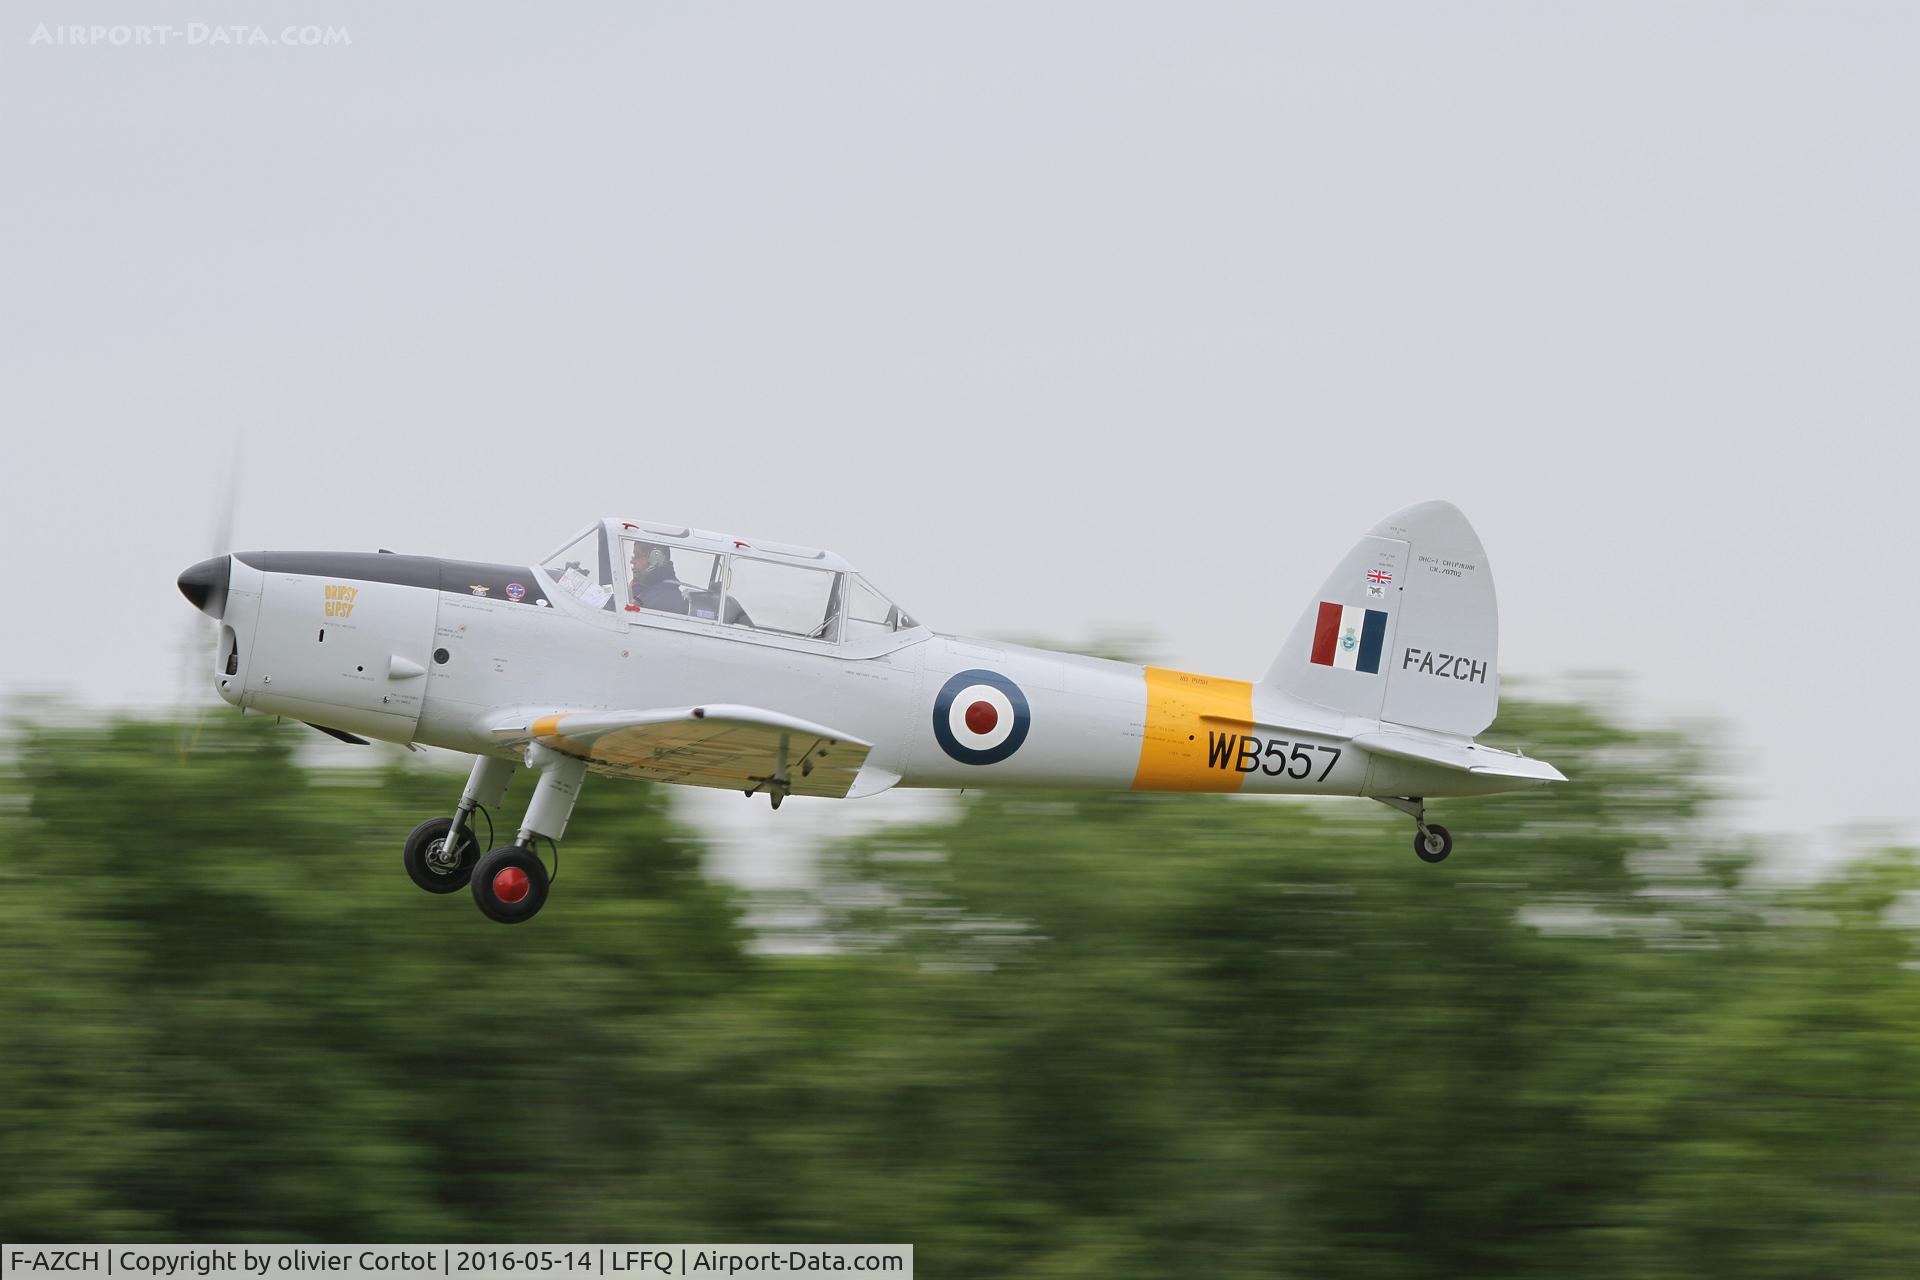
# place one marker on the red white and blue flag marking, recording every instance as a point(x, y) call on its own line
point(1379, 577)
point(1349, 636)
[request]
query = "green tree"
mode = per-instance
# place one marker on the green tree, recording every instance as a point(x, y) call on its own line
point(1059, 1036)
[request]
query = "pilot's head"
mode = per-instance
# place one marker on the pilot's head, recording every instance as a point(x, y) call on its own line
point(650, 560)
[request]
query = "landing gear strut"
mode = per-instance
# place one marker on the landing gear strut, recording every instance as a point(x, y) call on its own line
point(440, 854)
point(1431, 841)
point(510, 884)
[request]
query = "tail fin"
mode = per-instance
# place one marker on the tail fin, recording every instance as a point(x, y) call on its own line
point(1405, 630)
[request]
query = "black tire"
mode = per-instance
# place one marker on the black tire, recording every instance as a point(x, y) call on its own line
point(495, 884)
point(1435, 845)
point(423, 844)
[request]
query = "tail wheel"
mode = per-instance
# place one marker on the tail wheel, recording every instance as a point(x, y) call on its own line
point(431, 864)
point(510, 884)
point(1433, 843)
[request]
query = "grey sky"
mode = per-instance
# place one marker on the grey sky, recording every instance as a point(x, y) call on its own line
point(1054, 318)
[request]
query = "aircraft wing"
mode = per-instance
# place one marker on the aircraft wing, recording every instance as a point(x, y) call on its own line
point(719, 745)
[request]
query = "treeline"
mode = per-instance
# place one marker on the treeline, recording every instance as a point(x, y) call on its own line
point(1058, 1037)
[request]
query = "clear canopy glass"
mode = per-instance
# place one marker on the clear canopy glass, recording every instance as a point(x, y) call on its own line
point(646, 570)
point(581, 570)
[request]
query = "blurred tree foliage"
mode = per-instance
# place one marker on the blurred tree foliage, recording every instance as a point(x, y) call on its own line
point(1059, 1036)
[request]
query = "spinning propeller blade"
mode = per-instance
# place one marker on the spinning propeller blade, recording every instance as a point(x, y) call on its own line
point(205, 586)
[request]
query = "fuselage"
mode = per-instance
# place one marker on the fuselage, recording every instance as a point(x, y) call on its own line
point(415, 649)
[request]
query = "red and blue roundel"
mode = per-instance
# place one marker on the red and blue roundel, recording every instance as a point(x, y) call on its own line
point(980, 717)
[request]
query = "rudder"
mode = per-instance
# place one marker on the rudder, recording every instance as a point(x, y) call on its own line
point(1405, 630)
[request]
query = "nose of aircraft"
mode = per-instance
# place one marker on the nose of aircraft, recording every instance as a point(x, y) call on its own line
point(205, 586)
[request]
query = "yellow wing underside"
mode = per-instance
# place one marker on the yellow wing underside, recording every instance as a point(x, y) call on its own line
point(739, 748)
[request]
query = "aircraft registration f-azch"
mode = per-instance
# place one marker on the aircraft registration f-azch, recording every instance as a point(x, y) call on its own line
point(672, 654)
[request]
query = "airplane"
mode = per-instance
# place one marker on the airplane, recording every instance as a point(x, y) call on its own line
point(669, 653)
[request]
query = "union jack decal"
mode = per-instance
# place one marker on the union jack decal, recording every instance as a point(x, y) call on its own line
point(1379, 577)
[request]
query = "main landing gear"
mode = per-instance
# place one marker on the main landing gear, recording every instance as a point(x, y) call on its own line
point(1431, 841)
point(511, 883)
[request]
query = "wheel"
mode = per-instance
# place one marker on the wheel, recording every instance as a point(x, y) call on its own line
point(426, 857)
point(1434, 844)
point(509, 884)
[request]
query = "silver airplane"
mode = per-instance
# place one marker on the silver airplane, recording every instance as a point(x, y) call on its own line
point(642, 650)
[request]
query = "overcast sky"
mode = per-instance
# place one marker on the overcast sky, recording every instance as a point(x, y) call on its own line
point(1058, 319)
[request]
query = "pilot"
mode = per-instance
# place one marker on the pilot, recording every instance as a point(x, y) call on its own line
point(654, 584)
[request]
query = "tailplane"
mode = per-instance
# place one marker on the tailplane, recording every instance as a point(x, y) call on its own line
point(1405, 630)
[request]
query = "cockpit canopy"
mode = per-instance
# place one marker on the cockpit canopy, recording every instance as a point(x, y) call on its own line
point(769, 588)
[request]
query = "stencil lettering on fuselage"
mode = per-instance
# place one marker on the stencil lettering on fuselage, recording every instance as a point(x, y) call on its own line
point(1181, 709)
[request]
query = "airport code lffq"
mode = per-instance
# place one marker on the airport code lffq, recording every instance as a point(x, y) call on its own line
point(454, 1261)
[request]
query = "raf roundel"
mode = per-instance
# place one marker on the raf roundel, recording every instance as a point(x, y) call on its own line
point(980, 717)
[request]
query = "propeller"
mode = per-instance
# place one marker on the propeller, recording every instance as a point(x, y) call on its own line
point(205, 587)
point(197, 644)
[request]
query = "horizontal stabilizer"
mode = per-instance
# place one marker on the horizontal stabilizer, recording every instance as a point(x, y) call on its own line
point(1467, 757)
point(719, 745)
